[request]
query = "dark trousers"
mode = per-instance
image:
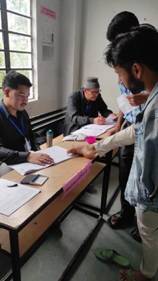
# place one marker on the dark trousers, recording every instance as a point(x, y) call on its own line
point(125, 162)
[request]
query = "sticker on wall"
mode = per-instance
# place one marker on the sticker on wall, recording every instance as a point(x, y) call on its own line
point(47, 52)
point(48, 40)
point(48, 12)
point(47, 45)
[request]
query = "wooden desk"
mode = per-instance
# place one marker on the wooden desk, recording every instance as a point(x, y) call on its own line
point(107, 159)
point(25, 226)
point(68, 144)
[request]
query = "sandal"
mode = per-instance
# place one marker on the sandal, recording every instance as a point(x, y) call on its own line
point(127, 276)
point(118, 221)
point(110, 255)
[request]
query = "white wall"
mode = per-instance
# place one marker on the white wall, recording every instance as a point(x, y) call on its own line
point(97, 16)
point(57, 78)
point(80, 41)
point(46, 71)
point(70, 34)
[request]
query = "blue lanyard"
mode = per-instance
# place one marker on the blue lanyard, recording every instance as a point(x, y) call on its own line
point(21, 130)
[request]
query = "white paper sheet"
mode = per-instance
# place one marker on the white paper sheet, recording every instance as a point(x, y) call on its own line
point(124, 104)
point(110, 120)
point(79, 137)
point(93, 130)
point(12, 198)
point(59, 154)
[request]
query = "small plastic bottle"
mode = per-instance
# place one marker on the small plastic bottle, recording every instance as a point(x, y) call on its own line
point(49, 138)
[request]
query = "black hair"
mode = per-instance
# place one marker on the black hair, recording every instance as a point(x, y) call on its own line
point(140, 45)
point(121, 23)
point(14, 79)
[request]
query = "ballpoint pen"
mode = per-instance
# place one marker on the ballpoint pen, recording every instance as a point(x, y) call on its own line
point(12, 185)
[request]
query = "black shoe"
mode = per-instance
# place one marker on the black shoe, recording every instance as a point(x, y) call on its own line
point(120, 221)
point(135, 234)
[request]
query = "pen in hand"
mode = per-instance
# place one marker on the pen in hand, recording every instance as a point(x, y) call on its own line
point(99, 120)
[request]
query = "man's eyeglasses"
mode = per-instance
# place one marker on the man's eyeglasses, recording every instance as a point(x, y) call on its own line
point(22, 96)
point(96, 92)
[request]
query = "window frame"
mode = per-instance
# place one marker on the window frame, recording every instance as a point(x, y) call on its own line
point(5, 35)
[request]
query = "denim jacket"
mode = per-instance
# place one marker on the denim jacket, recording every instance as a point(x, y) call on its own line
point(142, 186)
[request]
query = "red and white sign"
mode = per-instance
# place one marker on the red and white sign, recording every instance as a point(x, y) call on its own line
point(47, 12)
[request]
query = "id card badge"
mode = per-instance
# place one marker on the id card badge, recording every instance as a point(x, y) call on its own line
point(27, 145)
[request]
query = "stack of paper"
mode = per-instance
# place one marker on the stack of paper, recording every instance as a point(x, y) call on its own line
point(124, 104)
point(13, 196)
point(93, 130)
point(59, 154)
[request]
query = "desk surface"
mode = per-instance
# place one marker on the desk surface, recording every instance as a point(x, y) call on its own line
point(68, 144)
point(59, 139)
point(58, 175)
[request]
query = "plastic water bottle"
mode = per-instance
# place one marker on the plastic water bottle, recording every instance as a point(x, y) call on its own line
point(49, 138)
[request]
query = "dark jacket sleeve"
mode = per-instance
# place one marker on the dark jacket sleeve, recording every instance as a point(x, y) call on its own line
point(12, 157)
point(74, 116)
point(103, 109)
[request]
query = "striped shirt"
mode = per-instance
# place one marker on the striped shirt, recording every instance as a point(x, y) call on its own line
point(130, 116)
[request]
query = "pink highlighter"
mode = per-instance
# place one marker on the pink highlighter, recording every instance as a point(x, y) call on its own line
point(90, 139)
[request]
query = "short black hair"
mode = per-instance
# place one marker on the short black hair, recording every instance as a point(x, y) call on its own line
point(140, 45)
point(122, 22)
point(14, 79)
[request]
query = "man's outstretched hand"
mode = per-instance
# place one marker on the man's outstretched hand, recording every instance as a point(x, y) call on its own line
point(85, 150)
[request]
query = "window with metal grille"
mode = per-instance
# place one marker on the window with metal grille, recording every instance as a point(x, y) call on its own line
point(16, 38)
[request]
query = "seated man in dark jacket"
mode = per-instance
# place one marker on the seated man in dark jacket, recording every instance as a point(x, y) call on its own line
point(16, 138)
point(86, 106)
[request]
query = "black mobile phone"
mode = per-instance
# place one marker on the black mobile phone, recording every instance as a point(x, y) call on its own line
point(34, 179)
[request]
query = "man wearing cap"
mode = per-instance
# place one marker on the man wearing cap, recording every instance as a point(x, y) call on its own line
point(86, 106)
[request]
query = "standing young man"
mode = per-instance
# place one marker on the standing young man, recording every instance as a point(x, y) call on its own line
point(134, 57)
point(121, 23)
point(16, 137)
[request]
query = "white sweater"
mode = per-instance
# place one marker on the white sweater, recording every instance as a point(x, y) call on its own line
point(124, 137)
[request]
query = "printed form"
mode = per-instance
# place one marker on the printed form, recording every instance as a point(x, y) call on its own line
point(59, 154)
point(14, 195)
